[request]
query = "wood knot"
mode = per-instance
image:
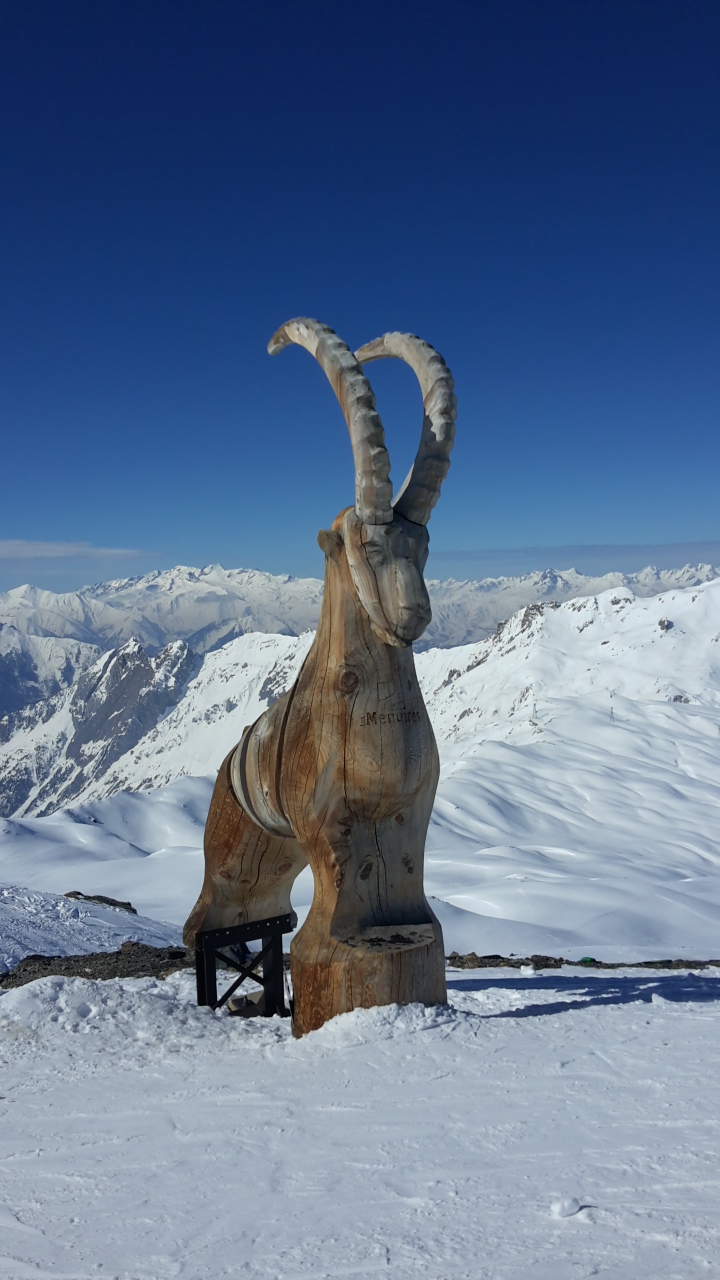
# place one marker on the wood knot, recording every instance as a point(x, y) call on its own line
point(348, 681)
point(399, 818)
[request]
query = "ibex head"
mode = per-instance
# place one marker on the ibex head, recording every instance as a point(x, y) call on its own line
point(385, 541)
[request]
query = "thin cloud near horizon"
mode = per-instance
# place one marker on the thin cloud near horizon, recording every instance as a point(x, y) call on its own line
point(20, 549)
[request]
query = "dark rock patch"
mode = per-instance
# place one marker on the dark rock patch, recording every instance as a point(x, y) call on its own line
point(100, 897)
point(473, 961)
point(133, 960)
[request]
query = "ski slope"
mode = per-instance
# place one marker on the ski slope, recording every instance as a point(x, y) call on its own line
point(50, 924)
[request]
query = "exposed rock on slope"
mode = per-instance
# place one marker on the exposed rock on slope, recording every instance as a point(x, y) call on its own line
point(36, 667)
point(52, 751)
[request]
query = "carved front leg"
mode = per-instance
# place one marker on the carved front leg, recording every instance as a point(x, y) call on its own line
point(248, 873)
point(370, 937)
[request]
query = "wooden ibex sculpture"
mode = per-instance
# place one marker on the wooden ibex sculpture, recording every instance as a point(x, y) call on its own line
point(341, 772)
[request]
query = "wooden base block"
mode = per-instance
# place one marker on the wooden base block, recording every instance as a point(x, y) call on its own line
point(388, 964)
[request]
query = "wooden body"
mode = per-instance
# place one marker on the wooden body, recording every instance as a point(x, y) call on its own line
point(343, 771)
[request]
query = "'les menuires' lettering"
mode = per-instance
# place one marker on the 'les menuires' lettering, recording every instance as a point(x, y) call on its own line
point(389, 717)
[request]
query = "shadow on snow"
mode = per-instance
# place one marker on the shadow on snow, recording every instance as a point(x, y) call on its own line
point(577, 992)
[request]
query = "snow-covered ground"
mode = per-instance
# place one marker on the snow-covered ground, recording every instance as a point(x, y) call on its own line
point(545, 1127)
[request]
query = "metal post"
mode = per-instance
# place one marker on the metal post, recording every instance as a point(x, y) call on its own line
point(205, 972)
point(273, 975)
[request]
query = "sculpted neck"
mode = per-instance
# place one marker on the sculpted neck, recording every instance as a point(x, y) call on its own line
point(345, 633)
point(344, 624)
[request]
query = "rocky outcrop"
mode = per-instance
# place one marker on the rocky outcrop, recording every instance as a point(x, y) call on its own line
point(60, 745)
point(34, 668)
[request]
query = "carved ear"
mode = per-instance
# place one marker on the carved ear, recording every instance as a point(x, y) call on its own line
point(330, 543)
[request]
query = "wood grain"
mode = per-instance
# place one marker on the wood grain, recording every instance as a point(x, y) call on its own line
point(248, 872)
point(347, 762)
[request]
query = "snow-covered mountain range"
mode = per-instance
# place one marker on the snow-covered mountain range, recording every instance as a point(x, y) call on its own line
point(579, 793)
point(132, 721)
point(46, 638)
point(204, 607)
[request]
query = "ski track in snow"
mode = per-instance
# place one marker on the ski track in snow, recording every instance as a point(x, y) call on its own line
point(547, 1127)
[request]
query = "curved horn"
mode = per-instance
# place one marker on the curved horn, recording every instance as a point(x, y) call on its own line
point(421, 489)
point(373, 490)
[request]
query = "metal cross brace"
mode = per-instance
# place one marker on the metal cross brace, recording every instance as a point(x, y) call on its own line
point(212, 945)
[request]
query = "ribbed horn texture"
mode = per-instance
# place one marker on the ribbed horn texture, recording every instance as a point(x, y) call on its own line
point(421, 489)
point(373, 490)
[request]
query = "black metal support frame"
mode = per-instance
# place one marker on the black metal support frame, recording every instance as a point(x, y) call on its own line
point(212, 945)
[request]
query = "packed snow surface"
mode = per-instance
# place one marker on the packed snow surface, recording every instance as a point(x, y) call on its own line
point(545, 1127)
point(578, 808)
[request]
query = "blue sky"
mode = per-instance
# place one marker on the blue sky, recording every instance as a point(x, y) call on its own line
point(531, 186)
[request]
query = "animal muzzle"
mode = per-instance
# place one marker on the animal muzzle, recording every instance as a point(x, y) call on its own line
point(412, 619)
